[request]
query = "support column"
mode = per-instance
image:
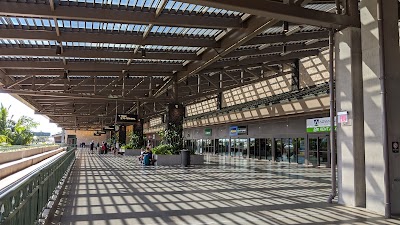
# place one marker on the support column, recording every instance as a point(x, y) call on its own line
point(175, 114)
point(122, 135)
point(295, 75)
point(175, 89)
point(350, 136)
point(138, 130)
point(381, 80)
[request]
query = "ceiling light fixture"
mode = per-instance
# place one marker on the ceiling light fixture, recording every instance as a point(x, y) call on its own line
point(285, 26)
point(143, 52)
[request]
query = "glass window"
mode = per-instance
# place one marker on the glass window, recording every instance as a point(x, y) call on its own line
point(323, 151)
point(263, 148)
point(226, 146)
point(233, 149)
point(268, 148)
point(244, 148)
point(278, 150)
point(252, 146)
point(312, 153)
point(216, 146)
point(257, 149)
point(301, 151)
point(293, 151)
point(285, 149)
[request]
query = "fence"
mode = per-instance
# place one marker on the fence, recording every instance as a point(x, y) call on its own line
point(22, 203)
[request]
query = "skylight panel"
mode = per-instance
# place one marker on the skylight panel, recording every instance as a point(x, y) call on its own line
point(14, 20)
point(140, 3)
point(30, 22)
point(81, 25)
point(148, 4)
point(169, 5)
point(74, 24)
point(38, 22)
point(96, 25)
point(46, 22)
point(88, 26)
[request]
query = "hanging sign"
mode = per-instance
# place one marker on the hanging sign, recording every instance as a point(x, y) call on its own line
point(319, 125)
point(237, 130)
point(343, 117)
point(127, 118)
point(208, 132)
point(108, 127)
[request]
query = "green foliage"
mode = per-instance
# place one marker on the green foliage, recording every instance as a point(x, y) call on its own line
point(173, 137)
point(16, 132)
point(21, 134)
point(134, 141)
point(163, 150)
point(3, 138)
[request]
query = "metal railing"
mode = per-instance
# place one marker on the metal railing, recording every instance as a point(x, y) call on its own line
point(23, 201)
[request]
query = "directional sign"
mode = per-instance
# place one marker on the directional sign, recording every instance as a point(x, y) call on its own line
point(127, 118)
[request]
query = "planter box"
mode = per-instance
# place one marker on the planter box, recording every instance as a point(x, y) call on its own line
point(196, 159)
point(175, 160)
point(167, 160)
point(132, 152)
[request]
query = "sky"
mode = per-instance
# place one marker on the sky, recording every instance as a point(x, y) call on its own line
point(19, 109)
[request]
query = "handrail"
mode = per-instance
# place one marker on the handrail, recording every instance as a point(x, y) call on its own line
point(22, 203)
point(22, 179)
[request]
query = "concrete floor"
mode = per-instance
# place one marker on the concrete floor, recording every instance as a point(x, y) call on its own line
point(114, 190)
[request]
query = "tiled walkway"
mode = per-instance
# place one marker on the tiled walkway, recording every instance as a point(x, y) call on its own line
point(114, 190)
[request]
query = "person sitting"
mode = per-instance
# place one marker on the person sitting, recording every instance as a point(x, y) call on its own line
point(142, 152)
point(148, 158)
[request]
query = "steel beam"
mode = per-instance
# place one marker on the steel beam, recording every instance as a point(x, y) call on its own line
point(276, 49)
point(26, 72)
point(260, 60)
point(281, 38)
point(91, 66)
point(233, 40)
point(94, 53)
point(104, 14)
point(102, 37)
point(277, 10)
point(18, 82)
point(216, 91)
point(72, 96)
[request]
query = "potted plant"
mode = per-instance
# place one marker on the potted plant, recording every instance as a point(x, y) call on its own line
point(163, 154)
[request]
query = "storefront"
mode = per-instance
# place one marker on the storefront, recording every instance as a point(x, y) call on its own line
point(300, 140)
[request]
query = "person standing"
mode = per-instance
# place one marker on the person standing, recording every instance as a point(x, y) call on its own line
point(91, 146)
point(116, 148)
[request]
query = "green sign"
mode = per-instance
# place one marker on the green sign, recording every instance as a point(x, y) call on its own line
point(319, 129)
point(208, 132)
point(319, 125)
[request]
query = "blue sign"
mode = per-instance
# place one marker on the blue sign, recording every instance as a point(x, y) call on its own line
point(233, 131)
point(237, 130)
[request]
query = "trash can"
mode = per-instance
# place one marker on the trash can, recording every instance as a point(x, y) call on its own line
point(185, 157)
